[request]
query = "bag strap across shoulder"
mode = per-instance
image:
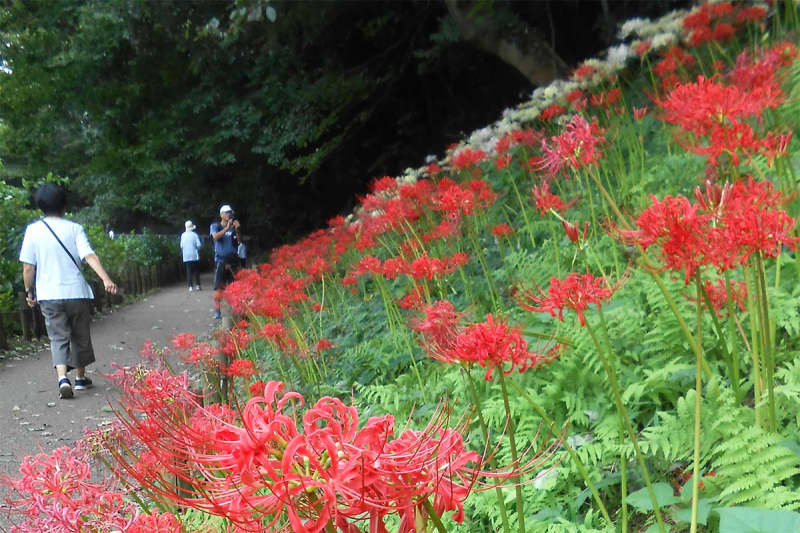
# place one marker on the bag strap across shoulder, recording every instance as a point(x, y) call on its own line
point(62, 246)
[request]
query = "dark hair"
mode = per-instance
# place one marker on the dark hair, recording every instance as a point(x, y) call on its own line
point(51, 199)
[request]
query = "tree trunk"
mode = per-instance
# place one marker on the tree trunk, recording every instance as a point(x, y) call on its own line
point(524, 50)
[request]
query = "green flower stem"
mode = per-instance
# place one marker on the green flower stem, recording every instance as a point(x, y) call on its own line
point(512, 442)
point(623, 413)
point(329, 527)
point(610, 201)
point(524, 213)
point(486, 272)
point(622, 466)
point(766, 328)
point(729, 358)
point(623, 488)
point(754, 345)
point(434, 516)
point(570, 450)
point(555, 247)
point(682, 323)
point(697, 404)
point(485, 431)
point(732, 338)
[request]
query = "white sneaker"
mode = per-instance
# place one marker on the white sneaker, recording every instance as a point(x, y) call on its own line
point(190, 289)
point(197, 288)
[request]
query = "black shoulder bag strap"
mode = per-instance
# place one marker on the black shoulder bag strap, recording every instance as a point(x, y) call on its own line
point(80, 270)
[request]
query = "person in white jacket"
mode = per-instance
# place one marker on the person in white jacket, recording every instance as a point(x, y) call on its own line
point(190, 246)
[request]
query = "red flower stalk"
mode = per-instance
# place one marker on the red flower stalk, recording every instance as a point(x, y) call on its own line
point(576, 292)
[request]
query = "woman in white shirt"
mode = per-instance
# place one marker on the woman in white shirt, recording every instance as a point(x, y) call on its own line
point(51, 253)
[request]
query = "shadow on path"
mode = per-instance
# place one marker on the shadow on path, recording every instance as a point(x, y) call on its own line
point(32, 416)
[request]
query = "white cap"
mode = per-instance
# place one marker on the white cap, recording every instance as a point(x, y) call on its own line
point(189, 225)
point(226, 209)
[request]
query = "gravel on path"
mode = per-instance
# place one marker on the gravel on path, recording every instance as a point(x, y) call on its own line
point(32, 416)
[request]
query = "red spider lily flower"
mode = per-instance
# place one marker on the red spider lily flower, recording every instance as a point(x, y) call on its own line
point(316, 306)
point(490, 344)
point(256, 388)
point(386, 184)
point(642, 48)
point(493, 345)
point(502, 230)
point(545, 200)
point(234, 341)
point(606, 99)
point(322, 345)
point(751, 14)
point(513, 138)
point(576, 292)
point(683, 232)
point(55, 493)
point(270, 468)
point(573, 232)
point(575, 148)
point(183, 341)
point(583, 72)
point(368, 264)
point(438, 328)
point(155, 523)
point(468, 158)
point(718, 294)
point(502, 161)
point(575, 94)
point(241, 368)
point(673, 59)
point(639, 113)
point(202, 355)
point(413, 299)
point(433, 170)
point(552, 111)
point(717, 114)
point(752, 223)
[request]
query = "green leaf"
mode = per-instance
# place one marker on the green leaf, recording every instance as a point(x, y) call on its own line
point(703, 510)
point(641, 498)
point(751, 520)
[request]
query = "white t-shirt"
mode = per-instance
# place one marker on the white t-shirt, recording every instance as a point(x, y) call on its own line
point(57, 277)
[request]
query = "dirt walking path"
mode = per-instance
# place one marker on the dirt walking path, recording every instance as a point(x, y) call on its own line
point(32, 416)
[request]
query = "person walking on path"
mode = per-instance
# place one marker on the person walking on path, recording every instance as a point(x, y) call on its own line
point(227, 236)
point(190, 246)
point(54, 279)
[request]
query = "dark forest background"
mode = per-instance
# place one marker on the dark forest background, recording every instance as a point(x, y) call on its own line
point(159, 111)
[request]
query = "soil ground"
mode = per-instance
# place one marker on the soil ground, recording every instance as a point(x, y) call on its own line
point(32, 416)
